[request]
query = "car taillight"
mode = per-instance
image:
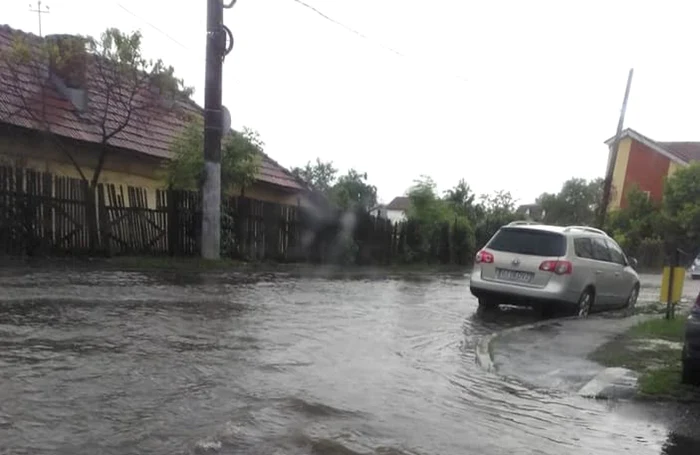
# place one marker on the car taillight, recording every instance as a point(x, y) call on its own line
point(558, 267)
point(485, 257)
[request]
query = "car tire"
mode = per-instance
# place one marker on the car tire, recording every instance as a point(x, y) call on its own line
point(487, 304)
point(632, 298)
point(585, 303)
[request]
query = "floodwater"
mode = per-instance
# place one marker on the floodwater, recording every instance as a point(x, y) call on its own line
point(133, 363)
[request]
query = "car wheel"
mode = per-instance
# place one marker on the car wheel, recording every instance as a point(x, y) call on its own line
point(632, 299)
point(689, 374)
point(585, 303)
point(487, 304)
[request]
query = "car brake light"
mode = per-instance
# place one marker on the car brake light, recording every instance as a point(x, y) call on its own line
point(558, 267)
point(485, 257)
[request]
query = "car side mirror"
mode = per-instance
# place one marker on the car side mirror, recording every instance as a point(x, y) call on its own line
point(633, 262)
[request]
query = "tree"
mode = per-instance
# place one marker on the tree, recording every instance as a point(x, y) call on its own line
point(352, 191)
point(493, 211)
point(462, 200)
point(575, 204)
point(319, 175)
point(641, 220)
point(682, 208)
point(426, 206)
point(240, 158)
point(126, 92)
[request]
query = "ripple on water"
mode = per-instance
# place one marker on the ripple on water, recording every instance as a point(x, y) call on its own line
point(210, 363)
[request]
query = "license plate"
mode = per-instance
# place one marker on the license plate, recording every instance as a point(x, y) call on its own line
point(514, 275)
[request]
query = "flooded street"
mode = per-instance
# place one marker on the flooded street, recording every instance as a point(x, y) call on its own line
point(134, 363)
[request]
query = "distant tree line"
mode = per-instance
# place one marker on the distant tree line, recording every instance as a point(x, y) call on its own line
point(645, 229)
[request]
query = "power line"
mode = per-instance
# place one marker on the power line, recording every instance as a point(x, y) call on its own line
point(153, 26)
point(360, 34)
point(303, 4)
point(347, 27)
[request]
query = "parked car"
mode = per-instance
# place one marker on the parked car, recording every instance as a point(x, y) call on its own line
point(691, 346)
point(540, 265)
point(695, 269)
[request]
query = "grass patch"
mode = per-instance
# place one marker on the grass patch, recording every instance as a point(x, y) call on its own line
point(653, 349)
point(670, 330)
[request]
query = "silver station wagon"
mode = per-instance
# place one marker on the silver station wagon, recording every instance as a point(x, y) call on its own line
point(540, 265)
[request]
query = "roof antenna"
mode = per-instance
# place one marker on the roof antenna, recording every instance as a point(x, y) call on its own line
point(39, 11)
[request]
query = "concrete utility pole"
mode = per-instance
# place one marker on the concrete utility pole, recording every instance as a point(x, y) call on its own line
point(217, 48)
point(607, 185)
point(39, 12)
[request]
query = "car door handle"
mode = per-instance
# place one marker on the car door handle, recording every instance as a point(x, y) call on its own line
point(598, 272)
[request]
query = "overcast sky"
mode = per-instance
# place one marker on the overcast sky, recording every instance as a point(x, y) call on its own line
point(514, 95)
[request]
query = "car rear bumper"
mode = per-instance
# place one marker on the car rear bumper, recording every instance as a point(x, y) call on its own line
point(520, 295)
point(692, 339)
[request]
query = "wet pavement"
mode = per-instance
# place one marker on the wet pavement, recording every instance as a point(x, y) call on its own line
point(554, 355)
point(143, 363)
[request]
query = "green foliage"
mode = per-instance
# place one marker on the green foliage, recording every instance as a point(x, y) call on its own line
point(240, 158)
point(462, 199)
point(319, 175)
point(576, 203)
point(682, 208)
point(640, 220)
point(120, 61)
point(426, 206)
point(463, 241)
point(494, 211)
point(649, 230)
point(451, 225)
point(352, 191)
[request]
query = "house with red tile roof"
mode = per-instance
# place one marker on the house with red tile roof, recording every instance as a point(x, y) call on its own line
point(646, 164)
point(60, 103)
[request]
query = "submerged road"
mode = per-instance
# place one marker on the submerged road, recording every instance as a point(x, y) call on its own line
point(204, 363)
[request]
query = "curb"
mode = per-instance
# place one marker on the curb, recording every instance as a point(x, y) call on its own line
point(483, 348)
point(610, 383)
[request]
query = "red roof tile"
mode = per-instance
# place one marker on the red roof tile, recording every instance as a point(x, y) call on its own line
point(21, 89)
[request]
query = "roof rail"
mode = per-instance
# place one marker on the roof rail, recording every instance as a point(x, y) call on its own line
point(521, 222)
point(587, 229)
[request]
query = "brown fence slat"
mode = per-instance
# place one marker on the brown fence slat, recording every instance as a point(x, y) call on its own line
point(47, 213)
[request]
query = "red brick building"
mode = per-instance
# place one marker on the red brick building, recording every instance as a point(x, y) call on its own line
point(646, 163)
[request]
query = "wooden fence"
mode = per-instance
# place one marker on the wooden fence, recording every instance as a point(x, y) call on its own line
point(43, 214)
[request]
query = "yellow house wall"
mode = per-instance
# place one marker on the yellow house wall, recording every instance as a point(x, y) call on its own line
point(672, 168)
point(121, 167)
point(619, 173)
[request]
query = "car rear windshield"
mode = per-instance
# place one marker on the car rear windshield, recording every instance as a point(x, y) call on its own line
point(529, 241)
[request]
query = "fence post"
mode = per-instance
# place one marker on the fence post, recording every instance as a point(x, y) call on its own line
point(173, 224)
point(105, 227)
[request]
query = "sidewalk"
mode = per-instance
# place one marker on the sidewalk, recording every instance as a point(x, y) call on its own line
point(554, 354)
